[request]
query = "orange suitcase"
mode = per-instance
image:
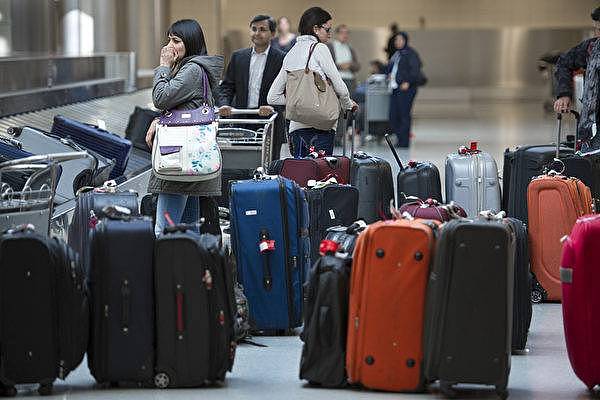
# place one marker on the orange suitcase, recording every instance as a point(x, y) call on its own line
point(387, 301)
point(554, 203)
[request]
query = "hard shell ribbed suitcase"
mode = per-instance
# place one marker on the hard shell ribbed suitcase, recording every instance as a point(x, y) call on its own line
point(301, 170)
point(121, 283)
point(373, 178)
point(325, 322)
point(472, 180)
point(387, 303)
point(416, 179)
point(522, 309)
point(43, 308)
point(580, 266)
point(329, 206)
point(554, 204)
point(469, 306)
point(265, 210)
point(106, 143)
point(195, 310)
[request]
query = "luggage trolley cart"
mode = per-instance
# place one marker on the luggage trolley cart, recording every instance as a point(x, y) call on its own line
point(243, 147)
point(34, 202)
point(377, 105)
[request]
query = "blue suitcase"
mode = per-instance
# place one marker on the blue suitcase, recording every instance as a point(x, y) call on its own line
point(96, 139)
point(276, 210)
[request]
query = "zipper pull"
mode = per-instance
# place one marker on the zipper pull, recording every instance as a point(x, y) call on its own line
point(106, 311)
point(221, 318)
point(356, 323)
point(294, 262)
point(61, 369)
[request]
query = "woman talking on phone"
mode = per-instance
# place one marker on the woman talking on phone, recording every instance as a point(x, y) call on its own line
point(178, 85)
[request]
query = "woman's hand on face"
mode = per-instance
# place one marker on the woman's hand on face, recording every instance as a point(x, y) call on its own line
point(167, 56)
point(151, 132)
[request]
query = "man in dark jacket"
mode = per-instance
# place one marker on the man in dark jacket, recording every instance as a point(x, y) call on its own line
point(585, 54)
point(249, 76)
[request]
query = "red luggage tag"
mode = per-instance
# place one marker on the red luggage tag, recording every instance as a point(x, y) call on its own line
point(412, 163)
point(266, 245)
point(92, 220)
point(328, 246)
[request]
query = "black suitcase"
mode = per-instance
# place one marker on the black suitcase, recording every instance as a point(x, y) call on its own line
point(524, 163)
point(137, 127)
point(522, 310)
point(88, 211)
point(43, 308)
point(326, 296)
point(469, 306)
point(373, 178)
point(345, 236)
point(228, 176)
point(329, 206)
point(121, 282)
point(195, 308)
point(416, 179)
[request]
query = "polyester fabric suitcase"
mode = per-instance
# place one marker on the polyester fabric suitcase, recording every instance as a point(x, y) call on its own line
point(431, 209)
point(228, 176)
point(346, 237)
point(89, 136)
point(469, 306)
point(271, 215)
point(472, 180)
point(416, 179)
point(92, 171)
point(330, 205)
point(387, 303)
point(301, 170)
point(137, 127)
point(195, 308)
point(88, 211)
point(121, 281)
point(580, 266)
point(554, 204)
point(373, 178)
point(326, 321)
point(43, 309)
point(522, 309)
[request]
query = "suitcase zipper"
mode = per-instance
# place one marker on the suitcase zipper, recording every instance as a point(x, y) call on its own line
point(286, 239)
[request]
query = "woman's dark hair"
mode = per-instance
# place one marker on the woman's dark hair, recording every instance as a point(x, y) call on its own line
point(258, 18)
point(311, 17)
point(404, 35)
point(190, 32)
point(596, 14)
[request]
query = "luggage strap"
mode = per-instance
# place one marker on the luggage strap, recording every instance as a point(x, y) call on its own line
point(265, 247)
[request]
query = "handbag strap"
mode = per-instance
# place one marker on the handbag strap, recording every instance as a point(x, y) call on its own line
point(205, 85)
point(310, 52)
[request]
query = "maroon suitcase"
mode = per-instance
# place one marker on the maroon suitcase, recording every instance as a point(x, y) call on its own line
point(301, 170)
point(432, 209)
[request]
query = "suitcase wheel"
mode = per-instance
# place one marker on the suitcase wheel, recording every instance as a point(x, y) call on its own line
point(9, 391)
point(162, 380)
point(502, 393)
point(537, 296)
point(447, 389)
point(45, 389)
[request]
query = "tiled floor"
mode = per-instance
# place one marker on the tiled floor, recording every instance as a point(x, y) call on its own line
point(272, 372)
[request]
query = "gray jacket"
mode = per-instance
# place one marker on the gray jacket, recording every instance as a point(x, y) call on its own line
point(182, 89)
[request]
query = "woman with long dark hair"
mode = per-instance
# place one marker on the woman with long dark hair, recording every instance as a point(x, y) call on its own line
point(178, 84)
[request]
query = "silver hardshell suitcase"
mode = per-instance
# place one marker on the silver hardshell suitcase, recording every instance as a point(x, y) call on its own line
point(472, 180)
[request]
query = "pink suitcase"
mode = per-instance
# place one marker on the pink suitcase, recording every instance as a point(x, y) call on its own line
point(580, 275)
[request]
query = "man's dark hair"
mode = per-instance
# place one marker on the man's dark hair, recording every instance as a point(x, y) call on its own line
point(340, 27)
point(311, 17)
point(190, 32)
point(596, 14)
point(259, 18)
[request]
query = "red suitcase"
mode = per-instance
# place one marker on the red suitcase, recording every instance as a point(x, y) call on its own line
point(301, 170)
point(579, 273)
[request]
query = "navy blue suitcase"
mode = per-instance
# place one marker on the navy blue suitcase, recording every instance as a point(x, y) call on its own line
point(275, 210)
point(96, 139)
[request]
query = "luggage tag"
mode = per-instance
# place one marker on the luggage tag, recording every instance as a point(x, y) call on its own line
point(266, 245)
point(328, 247)
point(101, 124)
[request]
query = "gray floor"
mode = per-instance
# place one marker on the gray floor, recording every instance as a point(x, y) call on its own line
point(272, 372)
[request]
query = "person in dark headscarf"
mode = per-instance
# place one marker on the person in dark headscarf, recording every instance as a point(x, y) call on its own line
point(404, 71)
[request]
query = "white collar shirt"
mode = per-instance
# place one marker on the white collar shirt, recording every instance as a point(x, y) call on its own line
point(258, 61)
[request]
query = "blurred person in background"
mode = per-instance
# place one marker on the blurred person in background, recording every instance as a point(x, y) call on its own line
point(404, 71)
point(390, 49)
point(586, 55)
point(285, 39)
point(250, 73)
point(344, 56)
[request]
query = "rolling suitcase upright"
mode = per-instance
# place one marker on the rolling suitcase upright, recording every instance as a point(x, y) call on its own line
point(328, 206)
point(137, 127)
point(269, 234)
point(387, 303)
point(92, 137)
point(472, 180)
point(554, 204)
point(121, 281)
point(326, 319)
point(416, 179)
point(580, 266)
point(469, 306)
point(195, 309)
point(43, 309)
point(373, 178)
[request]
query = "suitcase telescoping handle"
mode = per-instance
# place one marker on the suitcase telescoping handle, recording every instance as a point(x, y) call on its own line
point(559, 130)
point(351, 123)
point(394, 152)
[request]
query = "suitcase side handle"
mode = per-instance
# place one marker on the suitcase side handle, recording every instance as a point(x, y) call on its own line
point(394, 152)
point(266, 247)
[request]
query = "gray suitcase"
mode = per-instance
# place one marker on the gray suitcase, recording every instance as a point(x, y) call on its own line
point(472, 180)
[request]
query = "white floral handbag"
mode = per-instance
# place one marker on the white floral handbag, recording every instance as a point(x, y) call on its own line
point(185, 145)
